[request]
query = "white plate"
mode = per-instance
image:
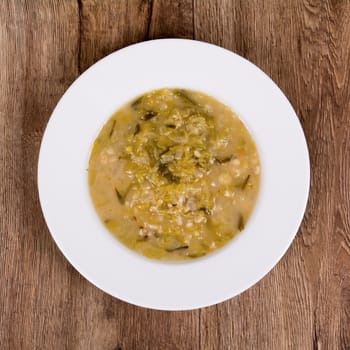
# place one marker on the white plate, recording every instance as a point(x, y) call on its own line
point(92, 99)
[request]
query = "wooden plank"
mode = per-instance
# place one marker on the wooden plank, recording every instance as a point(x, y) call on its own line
point(106, 26)
point(38, 44)
point(336, 94)
point(171, 19)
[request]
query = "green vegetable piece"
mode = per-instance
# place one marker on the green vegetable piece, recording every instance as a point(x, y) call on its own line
point(165, 172)
point(205, 210)
point(112, 129)
point(240, 222)
point(245, 182)
point(137, 129)
point(223, 160)
point(182, 94)
point(121, 198)
point(165, 151)
point(149, 115)
point(181, 247)
point(150, 147)
point(197, 254)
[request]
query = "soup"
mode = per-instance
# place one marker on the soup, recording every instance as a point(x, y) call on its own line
point(174, 174)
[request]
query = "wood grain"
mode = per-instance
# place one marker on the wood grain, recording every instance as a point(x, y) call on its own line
point(304, 302)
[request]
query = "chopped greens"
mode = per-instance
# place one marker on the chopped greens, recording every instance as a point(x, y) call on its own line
point(184, 97)
point(223, 160)
point(165, 172)
point(121, 198)
point(177, 248)
point(137, 129)
point(112, 129)
point(245, 182)
point(240, 222)
point(148, 115)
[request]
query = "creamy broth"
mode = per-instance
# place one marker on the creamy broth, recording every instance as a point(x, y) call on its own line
point(174, 174)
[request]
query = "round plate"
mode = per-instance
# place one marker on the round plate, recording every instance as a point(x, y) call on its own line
point(92, 99)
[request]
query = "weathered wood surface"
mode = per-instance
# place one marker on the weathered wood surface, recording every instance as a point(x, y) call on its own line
point(304, 302)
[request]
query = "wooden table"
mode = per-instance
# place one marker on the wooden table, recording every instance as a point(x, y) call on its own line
point(304, 302)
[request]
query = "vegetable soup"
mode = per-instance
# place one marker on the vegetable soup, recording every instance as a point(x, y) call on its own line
point(174, 174)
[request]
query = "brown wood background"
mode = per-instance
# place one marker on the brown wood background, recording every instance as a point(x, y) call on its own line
point(304, 303)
